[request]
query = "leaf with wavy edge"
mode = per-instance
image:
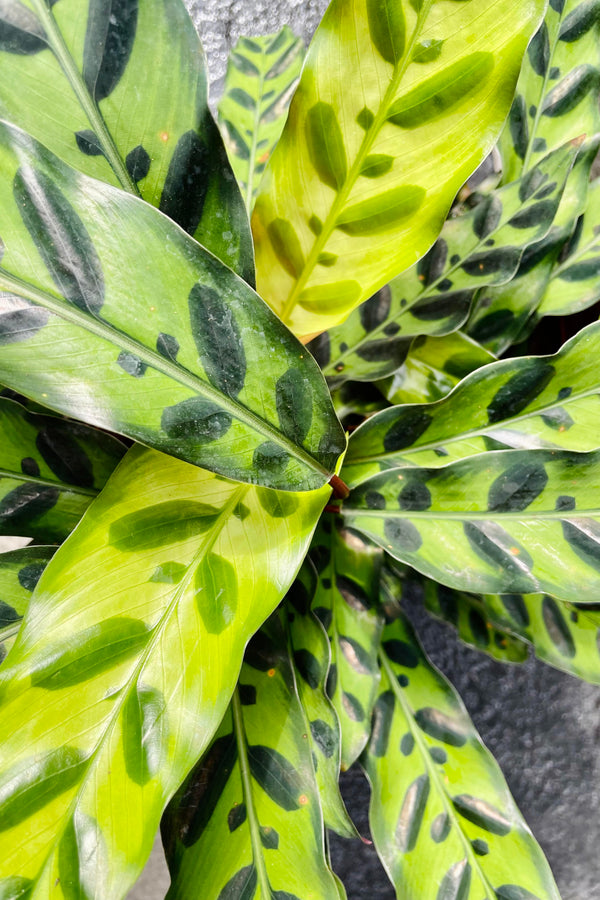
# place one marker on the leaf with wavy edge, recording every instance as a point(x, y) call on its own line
point(519, 403)
point(118, 317)
point(118, 90)
point(249, 813)
point(346, 603)
point(20, 571)
point(350, 177)
point(442, 818)
point(188, 566)
point(482, 247)
point(262, 73)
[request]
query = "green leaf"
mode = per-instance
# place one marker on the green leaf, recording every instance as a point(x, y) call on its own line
point(151, 335)
point(262, 73)
point(50, 471)
point(345, 602)
point(20, 571)
point(442, 818)
point(311, 659)
point(507, 522)
point(118, 90)
point(519, 403)
point(357, 225)
point(247, 821)
point(483, 247)
point(115, 660)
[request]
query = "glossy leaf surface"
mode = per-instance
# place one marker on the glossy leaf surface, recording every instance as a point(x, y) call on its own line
point(118, 317)
point(520, 403)
point(247, 822)
point(480, 248)
point(118, 90)
point(166, 577)
point(50, 471)
point(346, 603)
point(262, 73)
point(350, 199)
point(507, 522)
point(442, 818)
point(20, 571)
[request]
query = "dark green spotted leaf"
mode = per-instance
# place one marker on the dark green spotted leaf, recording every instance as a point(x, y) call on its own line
point(117, 656)
point(347, 174)
point(20, 571)
point(256, 812)
point(442, 818)
point(215, 398)
point(525, 521)
point(117, 89)
point(260, 79)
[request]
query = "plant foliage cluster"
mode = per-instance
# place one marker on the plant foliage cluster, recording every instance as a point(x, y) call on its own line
point(193, 319)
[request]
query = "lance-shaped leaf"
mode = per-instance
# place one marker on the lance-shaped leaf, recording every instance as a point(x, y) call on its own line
point(574, 283)
point(435, 366)
point(311, 659)
point(520, 403)
point(501, 522)
point(20, 571)
point(262, 73)
point(479, 248)
point(557, 91)
point(247, 822)
point(168, 575)
point(442, 817)
point(50, 471)
point(346, 603)
point(473, 623)
point(118, 90)
point(561, 635)
point(349, 199)
point(118, 317)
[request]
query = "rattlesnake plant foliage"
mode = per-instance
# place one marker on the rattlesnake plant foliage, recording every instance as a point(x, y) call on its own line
point(209, 620)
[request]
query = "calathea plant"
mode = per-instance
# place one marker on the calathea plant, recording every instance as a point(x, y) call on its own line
point(208, 620)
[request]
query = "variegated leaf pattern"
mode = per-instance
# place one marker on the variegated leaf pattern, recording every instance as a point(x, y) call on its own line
point(434, 366)
point(346, 603)
point(574, 283)
point(561, 635)
point(118, 89)
point(20, 571)
point(247, 822)
point(116, 659)
point(557, 91)
point(118, 317)
point(262, 73)
point(519, 403)
point(50, 471)
point(442, 817)
point(482, 247)
point(473, 623)
point(500, 522)
point(349, 199)
point(311, 656)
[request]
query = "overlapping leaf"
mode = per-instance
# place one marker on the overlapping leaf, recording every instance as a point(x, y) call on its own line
point(499, 522)
point(520, 403)
point(118, 317)
point(118, 90)
point(349, 198)
point(20, 571)
point(442, 818)
point(311, 659)
point(50, 471)
point(346, 603)
point(479, 248)
point(157, 610)
point(247, 822)
point(262, 73)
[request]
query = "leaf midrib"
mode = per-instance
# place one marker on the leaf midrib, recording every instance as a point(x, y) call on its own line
point(152, 358)
point(542, 93)
point(488, 515)
point(48, 482)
